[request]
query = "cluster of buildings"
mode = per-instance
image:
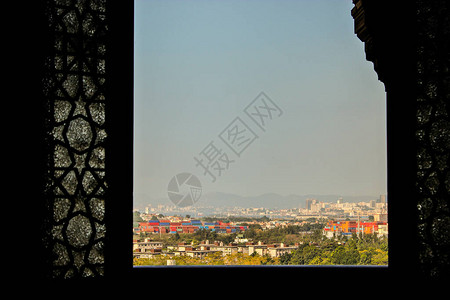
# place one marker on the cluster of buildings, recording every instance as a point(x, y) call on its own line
point(341, 209)
point(149, 249)
point(189, 226)
point(347, 228)
point(331, 208)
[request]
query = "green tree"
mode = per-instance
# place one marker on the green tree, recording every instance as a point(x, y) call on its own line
point(265, 219)
point(303, 255)
point(379, 257)
point(345, 256)
point(137, 217)
point(309, 253)
point(365, 257)
point(352, 242)
point(267, 260)
point(285, 259)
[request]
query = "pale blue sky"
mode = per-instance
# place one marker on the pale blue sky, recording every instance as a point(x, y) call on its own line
point(198, 64)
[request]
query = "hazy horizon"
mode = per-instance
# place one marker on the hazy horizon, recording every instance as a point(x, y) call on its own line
point(198, 66)
point(268, 200)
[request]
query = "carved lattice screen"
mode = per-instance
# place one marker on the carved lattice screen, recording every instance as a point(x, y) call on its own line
point(75, 79)
point(74, 87)
point(433, 136)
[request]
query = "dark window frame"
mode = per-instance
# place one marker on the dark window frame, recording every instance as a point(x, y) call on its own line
point(390, 43)
point(400, 141)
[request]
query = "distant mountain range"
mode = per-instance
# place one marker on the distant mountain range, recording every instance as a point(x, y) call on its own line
point(269, 200)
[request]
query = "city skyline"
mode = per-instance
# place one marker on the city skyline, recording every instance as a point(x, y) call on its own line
point(200, 64)
point(268, 200)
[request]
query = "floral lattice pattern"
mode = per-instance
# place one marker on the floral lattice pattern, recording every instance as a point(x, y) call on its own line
point(74, 86)
point(433, 136)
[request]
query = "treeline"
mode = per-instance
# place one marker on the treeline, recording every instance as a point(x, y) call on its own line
point(316, 249)
point(363, 250)
point(287, 234)
point(214, 259)
point(358, 250)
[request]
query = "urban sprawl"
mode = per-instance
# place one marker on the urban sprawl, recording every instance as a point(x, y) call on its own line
point(160, 233)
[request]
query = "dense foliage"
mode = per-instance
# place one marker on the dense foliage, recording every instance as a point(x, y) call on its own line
point(365, 250)
point(214, 259)
point(313, 248)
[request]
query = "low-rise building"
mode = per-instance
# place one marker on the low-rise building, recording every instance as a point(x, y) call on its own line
point(199, 253)
point(273, 250)
point(146, 245)
point(347, 228)
point(277, 251)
